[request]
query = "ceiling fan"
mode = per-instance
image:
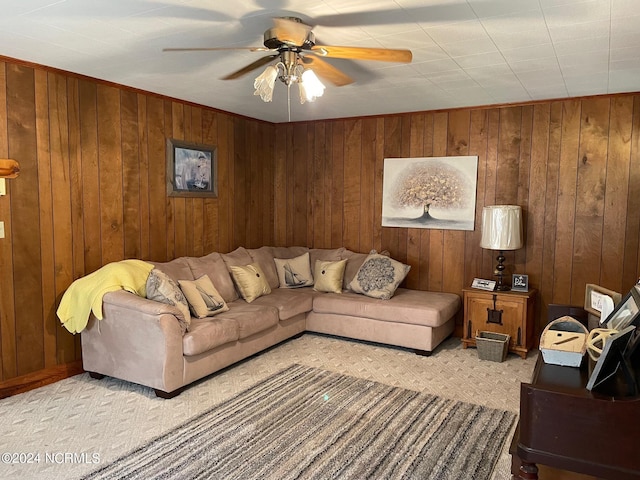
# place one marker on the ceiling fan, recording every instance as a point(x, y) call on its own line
point(293, 48)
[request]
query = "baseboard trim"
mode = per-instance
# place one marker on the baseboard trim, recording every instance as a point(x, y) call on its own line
point(40, 378)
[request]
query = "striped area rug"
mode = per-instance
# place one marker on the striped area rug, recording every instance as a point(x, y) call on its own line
point(306, 423)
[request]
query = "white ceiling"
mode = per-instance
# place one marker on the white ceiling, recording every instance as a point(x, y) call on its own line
point(465, 53)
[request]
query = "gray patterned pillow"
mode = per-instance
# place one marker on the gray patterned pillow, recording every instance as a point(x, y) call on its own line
point(161, 288)
point(379, 276)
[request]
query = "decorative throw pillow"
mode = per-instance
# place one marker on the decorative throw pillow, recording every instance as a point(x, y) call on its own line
point(203, 298)
point(325, 254)
point(379, 276)
point(263, 256)
point(328, 277)
point(250, 280)
point(161, 288)
point(294, 272)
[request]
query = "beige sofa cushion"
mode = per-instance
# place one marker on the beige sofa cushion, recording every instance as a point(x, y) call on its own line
point(251, 318)
point(289, 302)
point(177, 269)
point(354, 262)
point(288, 252)
point(406, 306)
point(325, 254)
point(263, 256)
point(208, 333)
point(250, 280)
point(240, 256)
point(241, 321)
point(215, 268)
point(294, 272)
point(204, 300)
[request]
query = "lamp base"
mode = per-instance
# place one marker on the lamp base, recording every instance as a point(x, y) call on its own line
point(500, 286)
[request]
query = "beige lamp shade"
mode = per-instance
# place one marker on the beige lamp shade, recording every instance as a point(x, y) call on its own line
point(501, 227)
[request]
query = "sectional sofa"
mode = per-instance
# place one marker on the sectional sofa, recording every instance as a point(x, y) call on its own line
point(154, 343)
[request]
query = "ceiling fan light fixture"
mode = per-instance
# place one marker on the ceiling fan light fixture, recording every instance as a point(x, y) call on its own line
point(310, 87)
point(292, 44)
point(265, 83)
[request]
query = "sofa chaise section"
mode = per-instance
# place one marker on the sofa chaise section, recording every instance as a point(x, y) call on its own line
point(411, 318)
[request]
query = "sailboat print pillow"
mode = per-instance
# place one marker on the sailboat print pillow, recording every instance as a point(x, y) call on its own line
point(294, 272)
point(204, 300)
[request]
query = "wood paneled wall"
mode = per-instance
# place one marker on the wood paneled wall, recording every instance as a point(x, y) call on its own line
point(92, 190)
point(573, 166)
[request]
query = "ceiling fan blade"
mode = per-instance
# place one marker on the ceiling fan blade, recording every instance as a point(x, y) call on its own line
point(451, 11)
point(327, 71)
point(360, 53)
point(212, 49)
point(290, 31)
point(252, 66)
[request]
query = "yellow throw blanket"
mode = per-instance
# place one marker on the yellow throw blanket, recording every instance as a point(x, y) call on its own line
point(85, 294)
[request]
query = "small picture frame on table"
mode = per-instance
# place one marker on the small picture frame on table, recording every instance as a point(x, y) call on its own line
point(520, 282)
point(191, 169)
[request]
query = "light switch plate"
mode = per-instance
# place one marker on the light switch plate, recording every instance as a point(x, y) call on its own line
point(3, 187)
point(1, 229)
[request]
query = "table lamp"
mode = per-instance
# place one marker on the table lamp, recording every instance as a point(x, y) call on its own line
point(501, 230)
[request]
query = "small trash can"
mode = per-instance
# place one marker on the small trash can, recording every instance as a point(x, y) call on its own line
point(492, 346)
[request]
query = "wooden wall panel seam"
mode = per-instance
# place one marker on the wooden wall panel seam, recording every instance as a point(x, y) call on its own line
point(632, 244)
point(8, 341)
point(29, 310)
point(46, 219)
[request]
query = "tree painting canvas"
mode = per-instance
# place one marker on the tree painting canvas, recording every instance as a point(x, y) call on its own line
point(430, 192)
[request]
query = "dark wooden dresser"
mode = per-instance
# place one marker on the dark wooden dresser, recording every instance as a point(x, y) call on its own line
point(567, 427)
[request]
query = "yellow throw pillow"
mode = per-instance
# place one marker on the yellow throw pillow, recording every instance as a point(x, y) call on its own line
point(379, 276)
point(329, 275)
point(294, 272)
point(204, 300)
point(250, 280)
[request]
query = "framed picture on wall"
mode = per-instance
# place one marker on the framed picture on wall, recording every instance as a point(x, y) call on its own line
point(191, 169)
point(430, 192)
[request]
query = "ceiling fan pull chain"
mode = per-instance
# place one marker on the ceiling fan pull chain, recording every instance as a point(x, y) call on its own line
point(289, 100)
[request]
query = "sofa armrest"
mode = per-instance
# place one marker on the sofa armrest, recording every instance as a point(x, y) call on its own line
point(138, 340)
point(127, 300)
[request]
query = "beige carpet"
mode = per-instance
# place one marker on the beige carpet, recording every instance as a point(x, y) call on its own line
point(69, 428)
